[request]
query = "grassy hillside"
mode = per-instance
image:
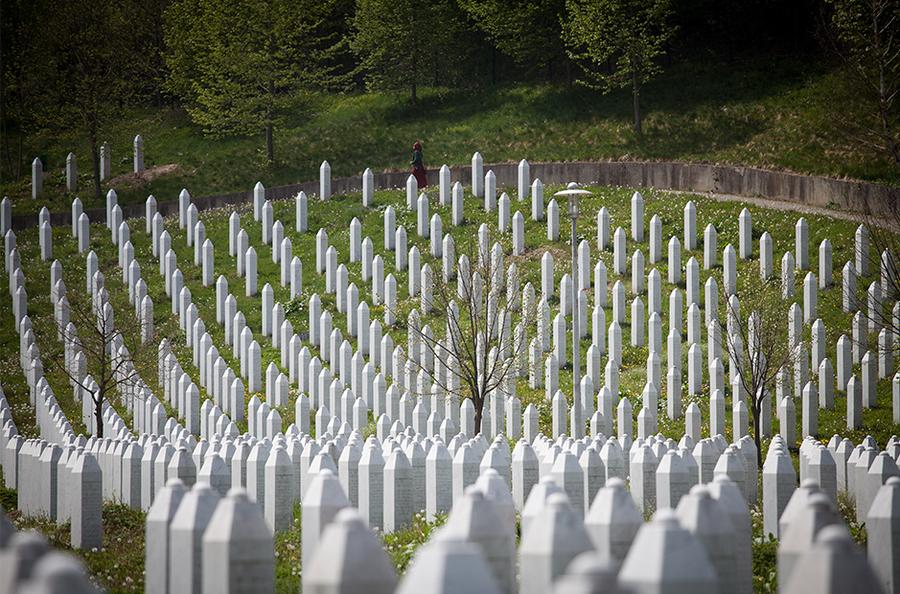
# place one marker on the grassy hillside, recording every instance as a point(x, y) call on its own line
point(334, 219)
point(119, 567)
point(774, 112)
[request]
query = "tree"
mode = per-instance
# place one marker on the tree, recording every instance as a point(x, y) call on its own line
point(758, 345)
point(401, 42)
point(241, 66)
point(881, 223)
point(86, 59)
point(618, 43)
point(528, 31)
point(71, 67)
point(21, 85)
point(115, 356)
point(481, 350)
point(864, 33)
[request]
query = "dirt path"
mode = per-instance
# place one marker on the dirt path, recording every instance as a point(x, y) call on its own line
point(800, 208)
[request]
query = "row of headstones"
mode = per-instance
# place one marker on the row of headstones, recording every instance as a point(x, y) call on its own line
point(61, 484)
point(397, 427)
point(799, 258)
point(221, 290)
point(71, 171)
point(265, 204)
point(484, 186)
point(883, 338)
point(810, 290)
point(637, 461)
point(66, 330)
point(74, 357)
point(488, 189)
point(204, 416)
point(258, 194)
point(868, 477)
point(606, 461)
point(120, 451)
point(28, 564)
point(709, 530)
point(281, 384)
point(187, 212)
point(79, 497)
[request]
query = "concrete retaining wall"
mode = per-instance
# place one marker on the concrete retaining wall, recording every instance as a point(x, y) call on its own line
point(855, 196)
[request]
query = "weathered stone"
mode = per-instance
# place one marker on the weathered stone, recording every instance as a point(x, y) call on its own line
point(238, 549)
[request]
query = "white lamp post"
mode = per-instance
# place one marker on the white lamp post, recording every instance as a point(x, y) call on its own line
point(572, 194)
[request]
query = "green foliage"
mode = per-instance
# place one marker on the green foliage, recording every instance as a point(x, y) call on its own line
point(765, 555)
point(118, 566)
point(238, 66)
point(618, 42)
point(528, 31)
point(847, 509)
point(403, 43)
point(8, 498)
point(774, 112)
point(865, 34)
point(402, 545)
point(288, 547)
point(72, 65)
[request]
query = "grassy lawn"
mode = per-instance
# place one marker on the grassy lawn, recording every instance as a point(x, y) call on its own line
point(335, 219)
point(776, 111)
point(118, 567)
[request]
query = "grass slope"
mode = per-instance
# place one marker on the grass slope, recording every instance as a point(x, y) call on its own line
point(775, 111)
point(335, 218)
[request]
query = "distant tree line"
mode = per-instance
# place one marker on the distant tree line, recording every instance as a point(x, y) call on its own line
point(237, 67)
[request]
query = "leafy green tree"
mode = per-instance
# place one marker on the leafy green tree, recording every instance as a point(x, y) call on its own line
point(618, 43)
point(401, 43)
point(70, 65)
point(866, 34)
point(92, 52)
point(241, 65)
point(20, 80)
point(528, 31)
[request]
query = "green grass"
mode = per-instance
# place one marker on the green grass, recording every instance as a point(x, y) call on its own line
point(402, 545)
point(335, 218)
point(765, 546)
point(118, 567)
point(777, 111)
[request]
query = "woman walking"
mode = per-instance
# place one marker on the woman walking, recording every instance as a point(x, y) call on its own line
point(418, 166)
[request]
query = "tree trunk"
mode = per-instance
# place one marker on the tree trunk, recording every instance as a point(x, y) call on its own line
point(270, 142)
point(95, 165)
point(98, 415)
point(636, 98)
point(493, 66)
point(270, 125)
point(757, 433)
point(479, 409)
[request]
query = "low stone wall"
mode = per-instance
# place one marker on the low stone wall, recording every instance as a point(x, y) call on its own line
point(825, 192)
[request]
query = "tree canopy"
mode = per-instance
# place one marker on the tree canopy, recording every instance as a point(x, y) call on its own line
point(403, 44)
point(239, 66)
point(618, 43)
point(528, 31)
